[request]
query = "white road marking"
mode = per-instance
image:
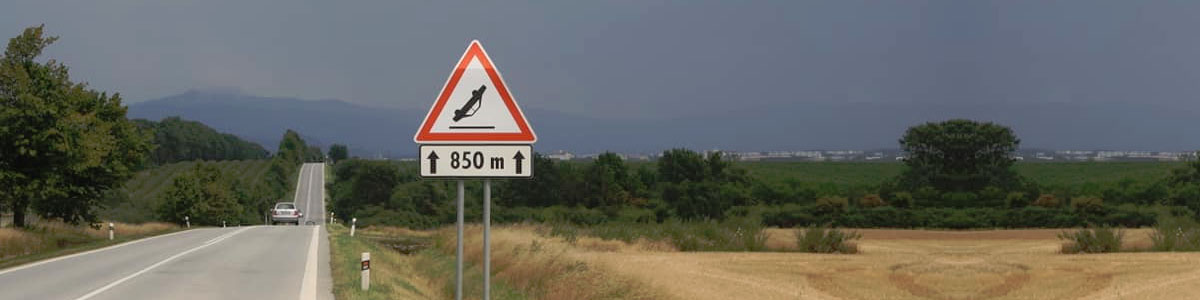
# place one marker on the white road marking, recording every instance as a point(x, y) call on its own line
point(308, 287)
point(18, 268)
point(308, 196)
point(173, 257)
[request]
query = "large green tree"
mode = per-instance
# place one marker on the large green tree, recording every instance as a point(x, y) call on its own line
point(204, 195)
point(338, 152)
point(62, 145)
point(959, 158)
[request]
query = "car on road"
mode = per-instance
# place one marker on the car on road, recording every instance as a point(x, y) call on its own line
point(286, 212)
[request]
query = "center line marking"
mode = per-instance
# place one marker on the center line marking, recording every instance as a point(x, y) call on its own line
point(173, 257)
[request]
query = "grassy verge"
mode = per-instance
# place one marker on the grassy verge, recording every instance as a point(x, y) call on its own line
point(391, 272)
point(48, 240)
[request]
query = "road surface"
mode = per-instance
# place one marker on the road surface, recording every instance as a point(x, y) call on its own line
point(249, 262)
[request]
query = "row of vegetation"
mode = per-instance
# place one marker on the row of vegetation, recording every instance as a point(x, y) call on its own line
point(958, 174)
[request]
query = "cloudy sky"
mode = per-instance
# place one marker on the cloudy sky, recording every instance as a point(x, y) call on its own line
point(656, 59)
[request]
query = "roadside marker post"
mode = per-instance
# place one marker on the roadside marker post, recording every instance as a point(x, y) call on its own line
point(353, 223)
point(110, 231)
point(222, 224)
point(187, 222)
point(475, 130)
point(366, 271)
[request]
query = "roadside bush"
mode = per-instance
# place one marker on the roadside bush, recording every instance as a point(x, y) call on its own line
point(1046, 200)
point(871, 200)
point(902, 199)
point(833, 204)
point(788, 216)
point(1175, 233)
point(1015, 200)
point(1130, 216)
point(826, 240)
point(1102, 239)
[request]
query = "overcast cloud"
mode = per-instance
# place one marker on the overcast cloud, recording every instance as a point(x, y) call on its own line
point(645, 59)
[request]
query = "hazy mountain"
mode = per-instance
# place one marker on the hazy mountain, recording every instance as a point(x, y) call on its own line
point(370, 131)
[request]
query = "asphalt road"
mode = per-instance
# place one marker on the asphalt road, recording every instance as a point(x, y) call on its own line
point(250, 262)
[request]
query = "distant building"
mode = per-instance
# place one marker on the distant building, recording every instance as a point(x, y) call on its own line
point(561, 155)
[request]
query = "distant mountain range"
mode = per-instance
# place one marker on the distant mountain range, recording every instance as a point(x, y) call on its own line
point(373, 131)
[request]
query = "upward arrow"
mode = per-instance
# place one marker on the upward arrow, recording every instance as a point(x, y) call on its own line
point(519, 157)
point(433, 157)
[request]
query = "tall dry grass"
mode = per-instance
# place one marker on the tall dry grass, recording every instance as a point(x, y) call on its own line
point(541, 267)
point(15, 242)
point(47, 236)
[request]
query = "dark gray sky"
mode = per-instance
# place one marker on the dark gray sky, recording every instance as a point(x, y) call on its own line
point(657, 59)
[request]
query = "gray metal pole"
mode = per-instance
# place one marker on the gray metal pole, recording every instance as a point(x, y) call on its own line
point(487, 239)
point(458, 257)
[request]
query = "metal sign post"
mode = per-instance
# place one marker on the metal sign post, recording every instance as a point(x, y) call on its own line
point(487, 239)
point(476, 131)
point(458, 262)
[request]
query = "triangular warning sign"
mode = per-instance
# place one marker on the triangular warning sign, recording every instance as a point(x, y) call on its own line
point(475, 106)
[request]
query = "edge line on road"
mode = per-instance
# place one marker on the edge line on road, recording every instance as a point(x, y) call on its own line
point(110, 247)
point(159, 263)
point(308, 287)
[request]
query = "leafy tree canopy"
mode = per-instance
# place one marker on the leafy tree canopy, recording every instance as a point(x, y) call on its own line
point(62, 145)
point(959, 156)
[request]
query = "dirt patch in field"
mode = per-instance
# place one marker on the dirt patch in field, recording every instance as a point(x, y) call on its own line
point(915, 264)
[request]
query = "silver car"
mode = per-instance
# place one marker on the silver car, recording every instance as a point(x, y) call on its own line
point(286, 212)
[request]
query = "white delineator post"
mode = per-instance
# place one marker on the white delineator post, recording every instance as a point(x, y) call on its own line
point(110, 231)
point(187, 222)
point(366, 271)
point(222, 224)
point(353, 223)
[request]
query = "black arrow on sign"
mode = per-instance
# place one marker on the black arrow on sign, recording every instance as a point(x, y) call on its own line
point(519, 157)
point(432, 162)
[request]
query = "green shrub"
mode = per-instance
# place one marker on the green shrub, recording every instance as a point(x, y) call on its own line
point(833, 203)
point(871, 200)
point(1102, 239)
point(788, 216)
point(1046, 200)
point(826, 240)
point(1175, 233)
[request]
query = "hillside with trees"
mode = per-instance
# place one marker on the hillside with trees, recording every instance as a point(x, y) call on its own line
point(177, 140)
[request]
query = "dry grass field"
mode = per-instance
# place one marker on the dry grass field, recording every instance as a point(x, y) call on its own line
point(917, 264)
point(892, 264)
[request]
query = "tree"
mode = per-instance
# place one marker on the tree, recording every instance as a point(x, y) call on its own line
point(959, 156)
point(62, 145)
point(202, 194)
point(338, 152)
point(695, 186)
point(607, 181)
point(361, 183)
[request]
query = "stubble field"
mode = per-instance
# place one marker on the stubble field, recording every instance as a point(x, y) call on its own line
point(915, 264)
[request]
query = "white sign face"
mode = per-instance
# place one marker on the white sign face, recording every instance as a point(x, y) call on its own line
point(475, 106)
point(466, 161)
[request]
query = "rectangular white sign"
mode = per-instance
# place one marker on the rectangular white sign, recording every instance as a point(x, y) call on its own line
point(476, 161)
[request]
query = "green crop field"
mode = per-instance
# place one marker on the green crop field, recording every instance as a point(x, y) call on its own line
point(859, 175)
point(142, 192)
